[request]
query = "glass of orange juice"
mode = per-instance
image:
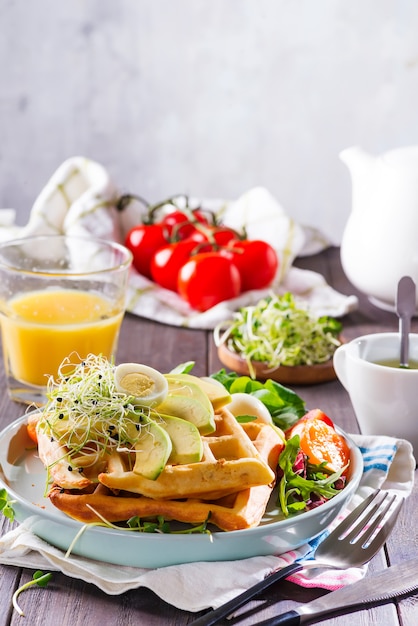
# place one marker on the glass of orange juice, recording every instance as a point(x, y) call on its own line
point(60, 297)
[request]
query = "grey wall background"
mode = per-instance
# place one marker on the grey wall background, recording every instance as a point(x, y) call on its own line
point(207, 97)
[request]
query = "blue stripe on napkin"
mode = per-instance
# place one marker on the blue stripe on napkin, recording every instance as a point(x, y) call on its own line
point(379, 457)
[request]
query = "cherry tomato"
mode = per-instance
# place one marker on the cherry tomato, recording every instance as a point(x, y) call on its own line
point(321, 443)
point(167, 261)
point(143, 241)
point(256, 260)
point(207, 279)
point(181, 225)
point(218, 235)
point(297, 428)
point(31, 429)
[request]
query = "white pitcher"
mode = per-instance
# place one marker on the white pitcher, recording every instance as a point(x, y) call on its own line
point(380, 240)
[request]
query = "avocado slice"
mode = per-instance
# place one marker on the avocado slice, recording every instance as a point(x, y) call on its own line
point(190, 409)
point(187, 446)
point(179, 384)
point(217, 394)
point(152, 450)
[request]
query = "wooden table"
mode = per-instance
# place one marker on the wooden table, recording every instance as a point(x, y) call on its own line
point(70, 602)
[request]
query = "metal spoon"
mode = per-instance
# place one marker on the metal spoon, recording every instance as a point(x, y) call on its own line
point(405, 308)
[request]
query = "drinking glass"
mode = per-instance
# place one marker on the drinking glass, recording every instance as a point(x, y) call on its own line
point(60, 297)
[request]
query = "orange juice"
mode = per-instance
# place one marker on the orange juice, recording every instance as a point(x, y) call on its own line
point(41, 328)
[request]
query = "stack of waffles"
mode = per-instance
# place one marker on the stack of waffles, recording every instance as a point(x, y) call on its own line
point(230, 486)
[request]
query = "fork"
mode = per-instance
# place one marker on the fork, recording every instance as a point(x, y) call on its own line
point(354, 542)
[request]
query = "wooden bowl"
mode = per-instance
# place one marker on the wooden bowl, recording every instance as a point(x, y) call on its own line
point(296, 375)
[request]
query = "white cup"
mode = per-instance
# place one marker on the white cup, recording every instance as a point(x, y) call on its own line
point(384, 398)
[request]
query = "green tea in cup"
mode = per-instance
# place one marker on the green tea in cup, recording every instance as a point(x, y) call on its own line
point(412, 364)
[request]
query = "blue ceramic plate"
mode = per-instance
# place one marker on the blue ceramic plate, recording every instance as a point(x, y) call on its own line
point(24, 477)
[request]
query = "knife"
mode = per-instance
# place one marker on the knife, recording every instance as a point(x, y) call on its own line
point(395, 581)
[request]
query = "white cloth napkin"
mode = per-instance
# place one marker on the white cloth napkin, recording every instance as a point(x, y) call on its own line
point(80, 199)
point(388, 463)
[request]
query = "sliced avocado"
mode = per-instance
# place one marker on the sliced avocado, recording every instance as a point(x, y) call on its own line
point(153, 450)
point(217, 394)
point(188, 408)
point(179, 386)
point(185, 439)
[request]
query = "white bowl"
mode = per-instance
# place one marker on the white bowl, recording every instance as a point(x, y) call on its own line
point(24, 477)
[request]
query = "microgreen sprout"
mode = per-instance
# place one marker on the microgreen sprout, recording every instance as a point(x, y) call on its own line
point(162, 526)
point(146, 526)
point(6, 505)
point(200, 528)
point(277, 332)
point(88, 415)
point(137, 524)
point(39, 578)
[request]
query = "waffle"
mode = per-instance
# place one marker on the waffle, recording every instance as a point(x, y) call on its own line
point(78, 474)
point(231, 485)
point(230, 462)
point(51, 455)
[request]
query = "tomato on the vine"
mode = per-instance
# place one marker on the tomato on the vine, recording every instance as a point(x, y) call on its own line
point(256, 261)
point(143, 241)
point(207, 279)
point(234, 265)
point(167, 261)
point(182, 225)
point(320, 441)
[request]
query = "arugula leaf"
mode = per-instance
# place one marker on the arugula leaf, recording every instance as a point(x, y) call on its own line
point(296, 491)
point(245, 419)
point(287, 460)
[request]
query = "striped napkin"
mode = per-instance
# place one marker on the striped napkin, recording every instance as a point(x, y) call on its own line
point(80, 199)
point(388, 464)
